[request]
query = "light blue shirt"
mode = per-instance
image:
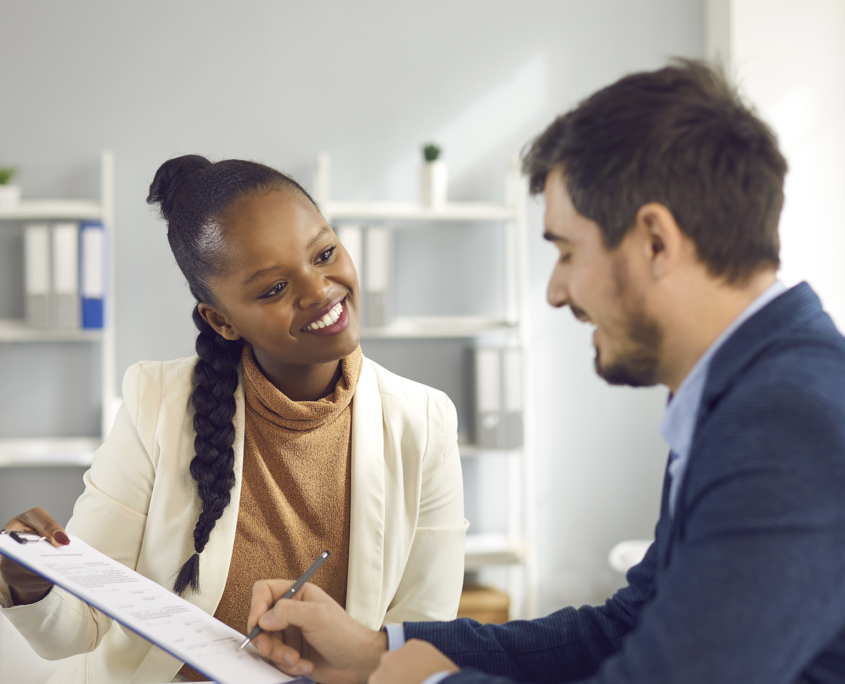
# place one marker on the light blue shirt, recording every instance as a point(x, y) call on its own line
point(678, 423)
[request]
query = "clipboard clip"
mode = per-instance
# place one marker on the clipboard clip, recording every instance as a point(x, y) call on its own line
point(24, 537)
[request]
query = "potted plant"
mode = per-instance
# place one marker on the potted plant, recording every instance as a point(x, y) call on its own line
point(433, 177)
point(10, 194)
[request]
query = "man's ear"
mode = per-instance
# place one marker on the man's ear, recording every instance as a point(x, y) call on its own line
point(219, 322)
point(662, 238)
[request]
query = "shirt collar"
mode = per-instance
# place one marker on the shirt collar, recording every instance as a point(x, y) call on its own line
point(678, 423)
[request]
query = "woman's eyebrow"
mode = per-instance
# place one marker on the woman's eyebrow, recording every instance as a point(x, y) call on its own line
point(264, 271)
point(317, 237)
point(259, 274)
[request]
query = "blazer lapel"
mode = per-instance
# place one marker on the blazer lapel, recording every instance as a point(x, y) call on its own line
point(366, 533)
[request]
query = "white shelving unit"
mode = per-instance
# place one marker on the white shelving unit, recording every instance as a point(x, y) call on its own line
point(26, 451)
point(515, 549)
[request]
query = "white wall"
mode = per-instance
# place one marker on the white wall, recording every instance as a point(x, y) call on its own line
point(367, 81)
point(788, 56)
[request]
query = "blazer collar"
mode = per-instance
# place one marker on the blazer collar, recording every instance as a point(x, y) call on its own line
point(792, 310)
point(366, 528)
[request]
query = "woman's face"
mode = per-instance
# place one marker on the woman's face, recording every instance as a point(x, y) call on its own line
point(286, 275)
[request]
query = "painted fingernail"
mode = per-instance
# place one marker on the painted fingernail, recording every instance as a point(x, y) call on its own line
point(61, 537)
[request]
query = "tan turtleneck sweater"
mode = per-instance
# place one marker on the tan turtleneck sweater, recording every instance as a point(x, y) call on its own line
point(295, 491)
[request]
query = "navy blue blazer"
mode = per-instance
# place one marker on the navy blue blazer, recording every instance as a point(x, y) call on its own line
point(746, 584)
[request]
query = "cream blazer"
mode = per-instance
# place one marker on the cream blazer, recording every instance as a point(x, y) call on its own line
point(407, 528)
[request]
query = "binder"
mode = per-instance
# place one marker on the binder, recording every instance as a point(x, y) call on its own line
point(512, 397)
point(37, 274)
point(489, 426)
point(377, 276)
point(498, 397)
point(92, 242)
point(351, 237)
point(67, 309)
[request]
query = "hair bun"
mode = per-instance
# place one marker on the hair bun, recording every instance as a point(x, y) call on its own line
point(170, 177)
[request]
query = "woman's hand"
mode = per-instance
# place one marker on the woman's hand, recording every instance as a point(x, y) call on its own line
point(312, 635)
point(27, 587)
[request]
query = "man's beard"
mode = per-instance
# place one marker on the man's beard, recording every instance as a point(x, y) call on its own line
point(637, 365)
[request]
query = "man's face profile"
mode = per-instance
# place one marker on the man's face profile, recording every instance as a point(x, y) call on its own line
point(600, 288)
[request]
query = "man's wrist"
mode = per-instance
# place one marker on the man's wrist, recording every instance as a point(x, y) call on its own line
point(438, 677)
point(378, 647)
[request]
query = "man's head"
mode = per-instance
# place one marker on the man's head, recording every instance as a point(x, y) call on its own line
point(658, 160)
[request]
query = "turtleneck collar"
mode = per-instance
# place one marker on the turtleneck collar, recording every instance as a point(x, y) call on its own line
point(273, 405)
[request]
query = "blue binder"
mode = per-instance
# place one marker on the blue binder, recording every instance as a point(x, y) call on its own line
point(92, 256)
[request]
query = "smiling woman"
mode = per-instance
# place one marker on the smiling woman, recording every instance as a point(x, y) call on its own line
point(294, 441)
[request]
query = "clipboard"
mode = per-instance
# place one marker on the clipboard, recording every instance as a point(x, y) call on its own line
point(175, 625)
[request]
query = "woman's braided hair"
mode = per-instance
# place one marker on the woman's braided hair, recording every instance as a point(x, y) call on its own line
point(193, 193)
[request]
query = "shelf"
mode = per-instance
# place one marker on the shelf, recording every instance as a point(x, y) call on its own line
point(29, 210)
point(16, 330)
point(410, 211)
point(409, 327)
point(482, 550)
point(473, 451)
point(67, 451)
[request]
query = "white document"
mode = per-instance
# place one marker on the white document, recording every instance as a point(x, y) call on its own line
point(160, 616)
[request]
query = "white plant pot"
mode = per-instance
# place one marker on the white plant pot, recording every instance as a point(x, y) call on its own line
point(434, 181)
point(10, 195)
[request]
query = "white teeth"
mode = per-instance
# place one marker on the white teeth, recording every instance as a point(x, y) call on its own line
point(329, 319)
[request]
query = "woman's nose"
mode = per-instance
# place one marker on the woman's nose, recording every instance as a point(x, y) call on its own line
point(315, 289)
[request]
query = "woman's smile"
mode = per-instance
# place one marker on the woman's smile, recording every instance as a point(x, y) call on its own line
point(331, 321)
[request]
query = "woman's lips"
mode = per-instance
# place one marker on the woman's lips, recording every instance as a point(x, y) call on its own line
point(337, 327)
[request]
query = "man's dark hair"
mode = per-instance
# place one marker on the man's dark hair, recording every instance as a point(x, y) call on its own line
point(679, 136)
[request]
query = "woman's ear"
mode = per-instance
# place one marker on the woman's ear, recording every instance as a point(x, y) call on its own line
point(217, 320)
point(662, 238)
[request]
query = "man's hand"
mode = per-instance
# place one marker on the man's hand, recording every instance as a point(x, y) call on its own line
point(415, 662)
point(25, 586)
point(312, 635)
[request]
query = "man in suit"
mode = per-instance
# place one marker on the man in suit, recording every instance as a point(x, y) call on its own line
point(663, 194)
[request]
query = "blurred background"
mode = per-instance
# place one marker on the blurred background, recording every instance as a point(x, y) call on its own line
point(369, 82)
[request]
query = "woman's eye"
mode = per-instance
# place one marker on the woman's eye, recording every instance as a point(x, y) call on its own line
point(276, 289)
point(325, 255)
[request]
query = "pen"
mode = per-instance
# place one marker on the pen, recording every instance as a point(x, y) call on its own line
point(289, 593)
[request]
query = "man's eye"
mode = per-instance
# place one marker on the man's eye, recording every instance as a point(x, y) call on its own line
point(326, 255)
point(276, 289)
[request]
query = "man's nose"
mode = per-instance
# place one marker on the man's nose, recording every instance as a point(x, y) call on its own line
point(557, 293)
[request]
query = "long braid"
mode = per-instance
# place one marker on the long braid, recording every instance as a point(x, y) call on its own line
point(215, 382)
point(193, 194)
